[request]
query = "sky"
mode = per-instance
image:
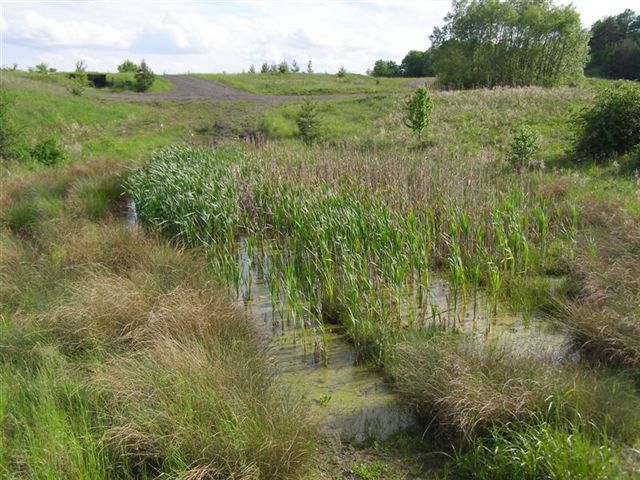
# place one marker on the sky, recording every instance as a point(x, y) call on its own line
point(228, 36)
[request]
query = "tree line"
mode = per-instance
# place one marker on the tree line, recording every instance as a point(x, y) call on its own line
point(615, 47)
point(486, 43)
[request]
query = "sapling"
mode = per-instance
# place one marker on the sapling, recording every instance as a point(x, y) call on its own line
point(418, 109)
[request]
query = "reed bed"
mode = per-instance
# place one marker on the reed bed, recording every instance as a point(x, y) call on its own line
point(356, 232)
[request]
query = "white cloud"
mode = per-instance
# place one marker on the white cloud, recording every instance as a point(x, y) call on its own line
point(184, 33)
point(33, 29)
point(214, 36)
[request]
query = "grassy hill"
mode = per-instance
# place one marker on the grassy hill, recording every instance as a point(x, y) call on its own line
point(309, 84)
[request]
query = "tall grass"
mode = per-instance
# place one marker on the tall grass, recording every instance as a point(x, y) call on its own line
point(348, 233)
point(467, 388)
point(604, 315)
point(118, 359)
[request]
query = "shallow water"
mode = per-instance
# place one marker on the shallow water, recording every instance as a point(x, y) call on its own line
point(354, 400)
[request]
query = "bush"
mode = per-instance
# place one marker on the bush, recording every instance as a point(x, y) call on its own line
point(48, 152)
point(308, 122)
point(524, 146)
point(342, 72)
point(612, 125)
point(78, 83)
point(144, 77)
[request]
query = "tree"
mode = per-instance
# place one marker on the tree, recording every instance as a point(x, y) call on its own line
point(294, 67)
point(486, 43)
point(385, 68)
point(342, 72)
point(79, 79)
point(417, 112)
point(252, 69)
point(144, 77)
point(615, 47)
point(417, 64)
point(42, 68)
point(127, 67)
point(308, 122)
point(283, 67)
point(309, 67)
point(264, 68)
point(81, 66)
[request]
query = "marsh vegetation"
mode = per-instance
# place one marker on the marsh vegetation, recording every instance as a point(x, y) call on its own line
point(475, 294)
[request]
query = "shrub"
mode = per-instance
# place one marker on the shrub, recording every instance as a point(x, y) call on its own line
point(342, 72)
point(48, 152)
point(524, 146)
point(612, 125)
point(308, 122)
point(144, 77)
point(78, 82)
point(418, 109)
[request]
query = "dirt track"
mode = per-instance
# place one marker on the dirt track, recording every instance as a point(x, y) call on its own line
point(193, 89)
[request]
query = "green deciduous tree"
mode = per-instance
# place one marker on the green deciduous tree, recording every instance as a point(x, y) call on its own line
point(486, 43)
point(417, 112)
point(615, 47)
point(386, 68)
point(42, 68)
point(283, 67)
point(524, 145)
point(417, 64)
point(127, 67)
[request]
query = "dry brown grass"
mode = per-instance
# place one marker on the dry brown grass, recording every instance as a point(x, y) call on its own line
point(196, 393)
point(604, 316)
point(466, 387)
point(102, 311)
point(183, 382)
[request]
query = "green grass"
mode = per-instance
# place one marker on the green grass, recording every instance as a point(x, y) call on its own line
point(356, 214)
point(541, 451)
point(90, 126)
point(90, 313)
point(121, 81)
point(305, 84)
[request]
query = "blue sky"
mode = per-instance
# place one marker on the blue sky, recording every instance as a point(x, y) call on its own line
point(216, 36)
